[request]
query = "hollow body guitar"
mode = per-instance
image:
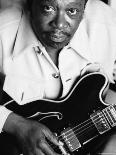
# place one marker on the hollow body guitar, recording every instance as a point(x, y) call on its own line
point(79, 119)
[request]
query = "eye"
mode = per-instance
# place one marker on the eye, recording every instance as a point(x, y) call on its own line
point(72, 11)
point(48, 8)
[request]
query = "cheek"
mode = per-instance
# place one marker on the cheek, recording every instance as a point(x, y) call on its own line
point(74, 26)
point(40, 24)
point(73, 22)
point(43, 23)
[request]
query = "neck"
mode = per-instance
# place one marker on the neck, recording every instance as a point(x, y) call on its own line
point(53, 53)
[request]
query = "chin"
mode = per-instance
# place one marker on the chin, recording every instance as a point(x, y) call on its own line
point(57, 45)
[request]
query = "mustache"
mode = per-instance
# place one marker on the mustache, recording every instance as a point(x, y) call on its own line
point(59, 32)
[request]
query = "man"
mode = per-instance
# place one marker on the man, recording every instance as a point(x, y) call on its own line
point(43, 50)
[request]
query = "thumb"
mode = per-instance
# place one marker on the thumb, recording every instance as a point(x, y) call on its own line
point(89, 68)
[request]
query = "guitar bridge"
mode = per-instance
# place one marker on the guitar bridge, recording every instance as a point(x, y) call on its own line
point(70, 139)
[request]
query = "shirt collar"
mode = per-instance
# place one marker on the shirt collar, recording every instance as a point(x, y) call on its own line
point(25, 36)
point(80, 40)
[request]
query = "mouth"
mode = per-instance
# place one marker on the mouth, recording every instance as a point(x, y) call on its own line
point(58, 37)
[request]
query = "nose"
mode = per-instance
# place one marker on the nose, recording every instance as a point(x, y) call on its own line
point(60, 21)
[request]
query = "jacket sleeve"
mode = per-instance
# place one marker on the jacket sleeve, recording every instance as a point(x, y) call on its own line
point(8, 17)
point(4, 112)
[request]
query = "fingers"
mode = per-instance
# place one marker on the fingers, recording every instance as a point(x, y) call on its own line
point(39, 152)
point(51, 137)
point(36, 151)
point(27, 153)
point(46, 149)
point(89, 68)
point(43, 145)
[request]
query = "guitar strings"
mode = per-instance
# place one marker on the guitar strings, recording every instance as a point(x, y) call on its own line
point(88, 126)
point(80, 133)
point(81, 124)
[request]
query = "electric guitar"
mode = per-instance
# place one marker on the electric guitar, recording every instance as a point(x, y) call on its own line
point(79, 119)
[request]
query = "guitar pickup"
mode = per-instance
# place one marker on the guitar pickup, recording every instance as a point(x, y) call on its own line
point(110, 113)
point(100, 122)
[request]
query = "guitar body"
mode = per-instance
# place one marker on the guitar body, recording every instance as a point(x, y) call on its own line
point(72, 117)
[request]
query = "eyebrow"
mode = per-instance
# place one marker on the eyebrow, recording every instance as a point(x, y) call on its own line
point(48, 1)
point(79, 4)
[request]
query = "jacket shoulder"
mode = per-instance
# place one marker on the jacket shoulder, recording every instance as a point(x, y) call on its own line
point(99, 12)
point(9, 16)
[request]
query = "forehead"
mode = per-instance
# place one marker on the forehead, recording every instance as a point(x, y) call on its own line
point(62, 2)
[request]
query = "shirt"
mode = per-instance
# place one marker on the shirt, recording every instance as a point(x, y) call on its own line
point(30, 74)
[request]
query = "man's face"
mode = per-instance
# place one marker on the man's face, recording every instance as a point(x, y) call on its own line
point(55, 21)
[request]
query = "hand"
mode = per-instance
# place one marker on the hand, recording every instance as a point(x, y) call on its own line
point(93, 67)
point(31, 135)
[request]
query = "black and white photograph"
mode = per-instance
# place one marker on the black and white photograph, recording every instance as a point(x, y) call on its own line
point(57, 77)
